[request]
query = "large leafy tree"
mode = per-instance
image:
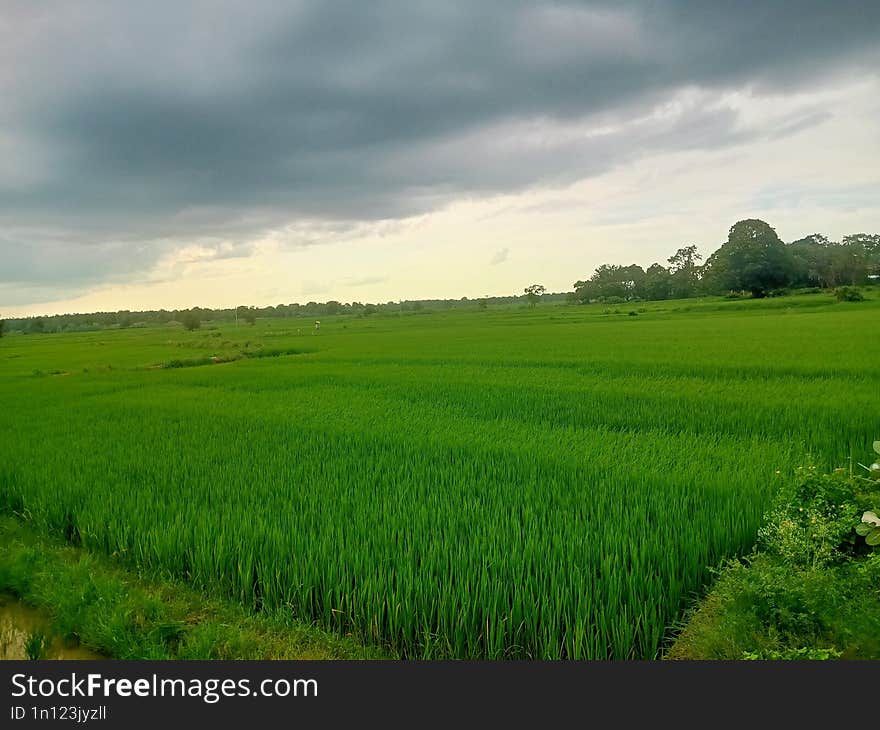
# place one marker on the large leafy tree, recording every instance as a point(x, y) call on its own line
point(622, 282)
point(753, 259)
point(811, 259)
point(684, 270)
point(859, 257)
point(820, 262)
point(658, 283)
point(869, 241)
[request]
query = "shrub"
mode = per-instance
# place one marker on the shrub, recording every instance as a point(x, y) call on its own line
point(817, 522)
point(848, 294)
point(809, 589)
point(191, 321)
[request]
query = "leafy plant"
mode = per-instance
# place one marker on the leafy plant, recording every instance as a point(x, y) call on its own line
point(848, 294)
point(812, 524)
point(809, 589)
point(874, 469)
point(869, 528)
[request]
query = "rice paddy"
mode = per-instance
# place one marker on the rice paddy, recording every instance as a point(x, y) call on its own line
point(509, 483)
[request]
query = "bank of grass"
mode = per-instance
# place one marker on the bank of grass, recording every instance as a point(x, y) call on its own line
point(93, 601)
point(811, 588)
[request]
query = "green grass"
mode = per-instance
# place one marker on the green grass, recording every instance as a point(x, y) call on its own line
point(92, 601)
point(548, 483)
point(811, 588)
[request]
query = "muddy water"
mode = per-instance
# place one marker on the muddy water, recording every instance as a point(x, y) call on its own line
point(19, 624)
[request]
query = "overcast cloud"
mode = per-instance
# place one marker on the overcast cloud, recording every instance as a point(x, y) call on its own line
point(134, 134)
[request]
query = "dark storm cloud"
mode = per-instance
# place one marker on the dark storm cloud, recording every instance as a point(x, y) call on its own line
point(128, 123)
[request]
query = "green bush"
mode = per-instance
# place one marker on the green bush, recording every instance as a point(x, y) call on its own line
point(848, 294)
point(811, 587)
point(814, 523)
point(191, 321)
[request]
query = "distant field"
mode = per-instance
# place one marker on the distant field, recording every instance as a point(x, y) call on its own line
point(547, 483)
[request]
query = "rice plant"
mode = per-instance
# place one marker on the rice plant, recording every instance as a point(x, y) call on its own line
point(510, 484)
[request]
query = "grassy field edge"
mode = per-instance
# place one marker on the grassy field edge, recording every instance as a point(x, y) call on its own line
point(108, 609)
point(809, 590)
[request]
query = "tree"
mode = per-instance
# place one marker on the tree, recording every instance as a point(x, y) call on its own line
point(191, 321)
point(534, 293)
point(2, 325)
point(870, 242)
point(633, 279)
point(820, 262)
point(658, 283)
point(753, 259)
point(811, 261)
point(859, 257)
point(684, 259)
point(621, 282)
point(248, 314)
point(684, 271)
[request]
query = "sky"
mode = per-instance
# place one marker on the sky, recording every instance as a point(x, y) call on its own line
point(178, 154)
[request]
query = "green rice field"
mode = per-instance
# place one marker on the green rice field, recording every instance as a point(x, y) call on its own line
point(552, 482)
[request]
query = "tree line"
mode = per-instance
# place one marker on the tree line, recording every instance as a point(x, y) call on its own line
point(752, 261)
point(244, 315)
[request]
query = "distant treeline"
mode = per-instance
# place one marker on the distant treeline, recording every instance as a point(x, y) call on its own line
point(753, 260)
point(192, 318)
